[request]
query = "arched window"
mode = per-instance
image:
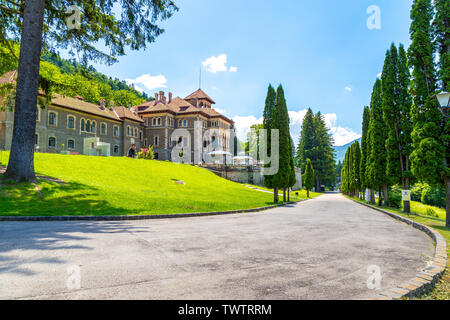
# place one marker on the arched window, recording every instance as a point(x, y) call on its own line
point(103, 129)
point(70, 122)
point(116, 149)
point(159, 121)
point(180, 123)
point(128, 130)
point(52, 142)
point(94, 124)
point(185, 123)
point(88, 126)
point(82, 125)
point(52, 119)
point(135, 132)
point(36, 139)
point(70, 144)
point(156, 141)
point(116, 132)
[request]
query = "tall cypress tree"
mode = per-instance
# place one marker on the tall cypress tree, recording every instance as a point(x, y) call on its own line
point(281, 122)
point(362, 166)
point(442, 33)
point(356, 160)
point(268, 125)
point(396, 113)
point(376, 162)
point(430, 129)
point(325, 165)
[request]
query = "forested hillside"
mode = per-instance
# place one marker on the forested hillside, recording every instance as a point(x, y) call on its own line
point(70, 78)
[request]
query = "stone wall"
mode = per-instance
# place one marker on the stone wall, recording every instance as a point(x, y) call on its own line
point(247, 174)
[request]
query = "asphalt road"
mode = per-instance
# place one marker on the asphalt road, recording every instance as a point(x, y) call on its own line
point(318, 249)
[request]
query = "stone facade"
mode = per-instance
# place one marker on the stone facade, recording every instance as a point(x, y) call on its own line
point(166, 124)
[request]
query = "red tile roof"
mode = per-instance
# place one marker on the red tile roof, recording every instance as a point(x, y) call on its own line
point(199, 94)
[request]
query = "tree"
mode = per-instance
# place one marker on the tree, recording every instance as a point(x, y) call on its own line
point(308, 177)
point(316, 144)
point(268, 123)
point(280, 120)
point(355, 171)
point(376, 162)
point(430, 130)
point(396, 115)
point(25, 20)
point(364, 149)
point(442, 34)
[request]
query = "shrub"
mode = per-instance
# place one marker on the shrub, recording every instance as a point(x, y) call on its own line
point(433, 196)
point(395, 199)
point(146, 154)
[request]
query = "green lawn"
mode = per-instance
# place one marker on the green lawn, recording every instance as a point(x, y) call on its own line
point(301, 193)
point(122, 186)
point(442, 289)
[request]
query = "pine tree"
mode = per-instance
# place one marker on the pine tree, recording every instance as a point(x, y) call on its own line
point(430, 129)
point(324, 161)
point(308, 177)
point(362, 166)
point(306, 143)
point(376, 162)
point(355, 172)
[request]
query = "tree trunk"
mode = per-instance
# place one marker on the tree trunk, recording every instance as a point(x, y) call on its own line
point(447, 200)
point(289, 195)
point(21, 158)
point(406, 204)
point(385, 195)
point(307, 193)
point(275, 195)
point(284, 195)
point(372, 196)
point(379, 197)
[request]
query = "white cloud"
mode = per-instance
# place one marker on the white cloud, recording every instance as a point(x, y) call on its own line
point(340, 135)
point(218, 64)
point(379, 75)
point(348, 89)
point(149, 82)
point(243, 125)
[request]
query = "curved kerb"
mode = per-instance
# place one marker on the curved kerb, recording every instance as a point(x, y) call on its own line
point(425, 280)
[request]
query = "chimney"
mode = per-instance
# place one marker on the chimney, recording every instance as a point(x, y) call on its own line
point(170, 97)
point(162, 97)
point(79, 98)
point(156, 97)
point(102, 104)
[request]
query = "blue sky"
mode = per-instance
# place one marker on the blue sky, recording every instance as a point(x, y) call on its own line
point(321, 51)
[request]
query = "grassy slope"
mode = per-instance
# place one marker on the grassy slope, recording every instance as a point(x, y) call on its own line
point(442, 289)
point(121, 186)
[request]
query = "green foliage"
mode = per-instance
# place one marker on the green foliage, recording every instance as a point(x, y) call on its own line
point(431, 212)
point(442, 33)
point(308, 176)
point(395, 197)
point(146, 153)
point(316, 144)
point(376, 161)
point(433, 196)
point(350, 175)
point(396, 103)
point(268, 123)
point(416, 191)
point(364, 147)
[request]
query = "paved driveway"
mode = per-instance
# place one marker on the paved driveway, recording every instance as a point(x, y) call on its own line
point(313, 250)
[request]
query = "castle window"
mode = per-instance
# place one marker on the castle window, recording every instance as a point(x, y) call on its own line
point(128, 131)
point(52, 142)
point(135, 132)
point(156, 140)
point(180, 123)
point(70, 144)
point(116, 131)
point(71, 122)
point(185, 123)
point(94, 124)
point(159, 121)
point(82, 125)
point(88, 126)
point(116, 149)
point(103, 129)
point(52, 119)
point(36, 139)
point(140, 135)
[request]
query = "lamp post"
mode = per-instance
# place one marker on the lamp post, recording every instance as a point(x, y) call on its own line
point(444, 105)
point(444, 102)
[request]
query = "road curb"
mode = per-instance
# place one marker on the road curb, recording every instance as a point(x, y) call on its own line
point(141, 217)
point(425, 280)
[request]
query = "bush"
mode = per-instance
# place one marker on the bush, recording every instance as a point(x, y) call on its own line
point(146, 154)
point(395, 197)
point(433, 196)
